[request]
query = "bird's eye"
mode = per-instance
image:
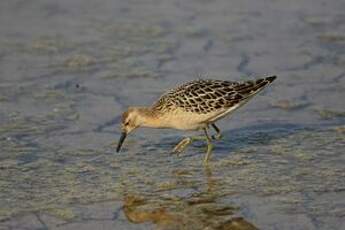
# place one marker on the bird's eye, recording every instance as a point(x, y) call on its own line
point(127, 123)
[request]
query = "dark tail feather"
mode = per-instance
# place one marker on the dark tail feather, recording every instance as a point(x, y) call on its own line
point(270, 79)
point(251, 86)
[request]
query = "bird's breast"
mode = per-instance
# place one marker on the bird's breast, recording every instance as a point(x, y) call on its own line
point(185, 120)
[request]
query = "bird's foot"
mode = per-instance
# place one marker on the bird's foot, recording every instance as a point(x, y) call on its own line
point(217, 136)
point(182, 145)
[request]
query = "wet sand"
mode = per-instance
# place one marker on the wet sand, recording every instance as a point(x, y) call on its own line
point(69, 68)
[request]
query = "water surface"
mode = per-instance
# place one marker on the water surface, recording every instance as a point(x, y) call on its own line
point(69, 68)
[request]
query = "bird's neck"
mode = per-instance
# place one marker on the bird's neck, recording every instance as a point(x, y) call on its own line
point(149, 117)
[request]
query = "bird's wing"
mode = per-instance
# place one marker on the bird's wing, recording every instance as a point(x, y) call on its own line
point(205, 96)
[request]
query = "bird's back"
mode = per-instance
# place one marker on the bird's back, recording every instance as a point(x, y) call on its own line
point(209, 96)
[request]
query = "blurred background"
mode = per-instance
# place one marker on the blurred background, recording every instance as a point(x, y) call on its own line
point(68, 69)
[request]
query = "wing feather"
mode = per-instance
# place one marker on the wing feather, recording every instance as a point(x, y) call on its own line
point(206, 96)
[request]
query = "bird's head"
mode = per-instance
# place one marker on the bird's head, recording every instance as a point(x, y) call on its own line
point(131, 119)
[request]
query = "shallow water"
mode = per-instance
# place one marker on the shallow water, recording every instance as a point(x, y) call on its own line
point(68, 70)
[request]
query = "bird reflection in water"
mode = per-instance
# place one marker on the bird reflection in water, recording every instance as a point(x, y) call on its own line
point(197, 211)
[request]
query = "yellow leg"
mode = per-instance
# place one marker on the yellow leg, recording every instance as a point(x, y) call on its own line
point(218, 135)
point(209, 147)
point(182, 145)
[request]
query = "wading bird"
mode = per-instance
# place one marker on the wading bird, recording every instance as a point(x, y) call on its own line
point(195, 105)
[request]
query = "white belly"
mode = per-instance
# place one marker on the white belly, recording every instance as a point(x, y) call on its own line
point(193, 121)
point(187, 120)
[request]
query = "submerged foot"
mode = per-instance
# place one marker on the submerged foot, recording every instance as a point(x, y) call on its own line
point(182, 145)
point(217, 136)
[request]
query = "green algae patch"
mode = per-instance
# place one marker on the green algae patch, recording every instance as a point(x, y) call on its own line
point(128, 70)
point(133, 32)
point(168, 185)
point(279, 149)
point(3, 99)
point(19, 126)
point(329, 114)
point(50, 96)
point(50, 45)
point(79, 61)
point(80, 167)
point(303, 155)
point(64, 213)
point(194, 31)
point(8, 164)
point(218, 211)
point(237, 160)
point(42, 45)
point(332, 37)
point(340, 129)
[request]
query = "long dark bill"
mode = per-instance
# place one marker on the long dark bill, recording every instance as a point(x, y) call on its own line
point(122, 138)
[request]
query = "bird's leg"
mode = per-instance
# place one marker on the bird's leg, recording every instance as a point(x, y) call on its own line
point(183, 144)
point(218, 135)
point(209, 147)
